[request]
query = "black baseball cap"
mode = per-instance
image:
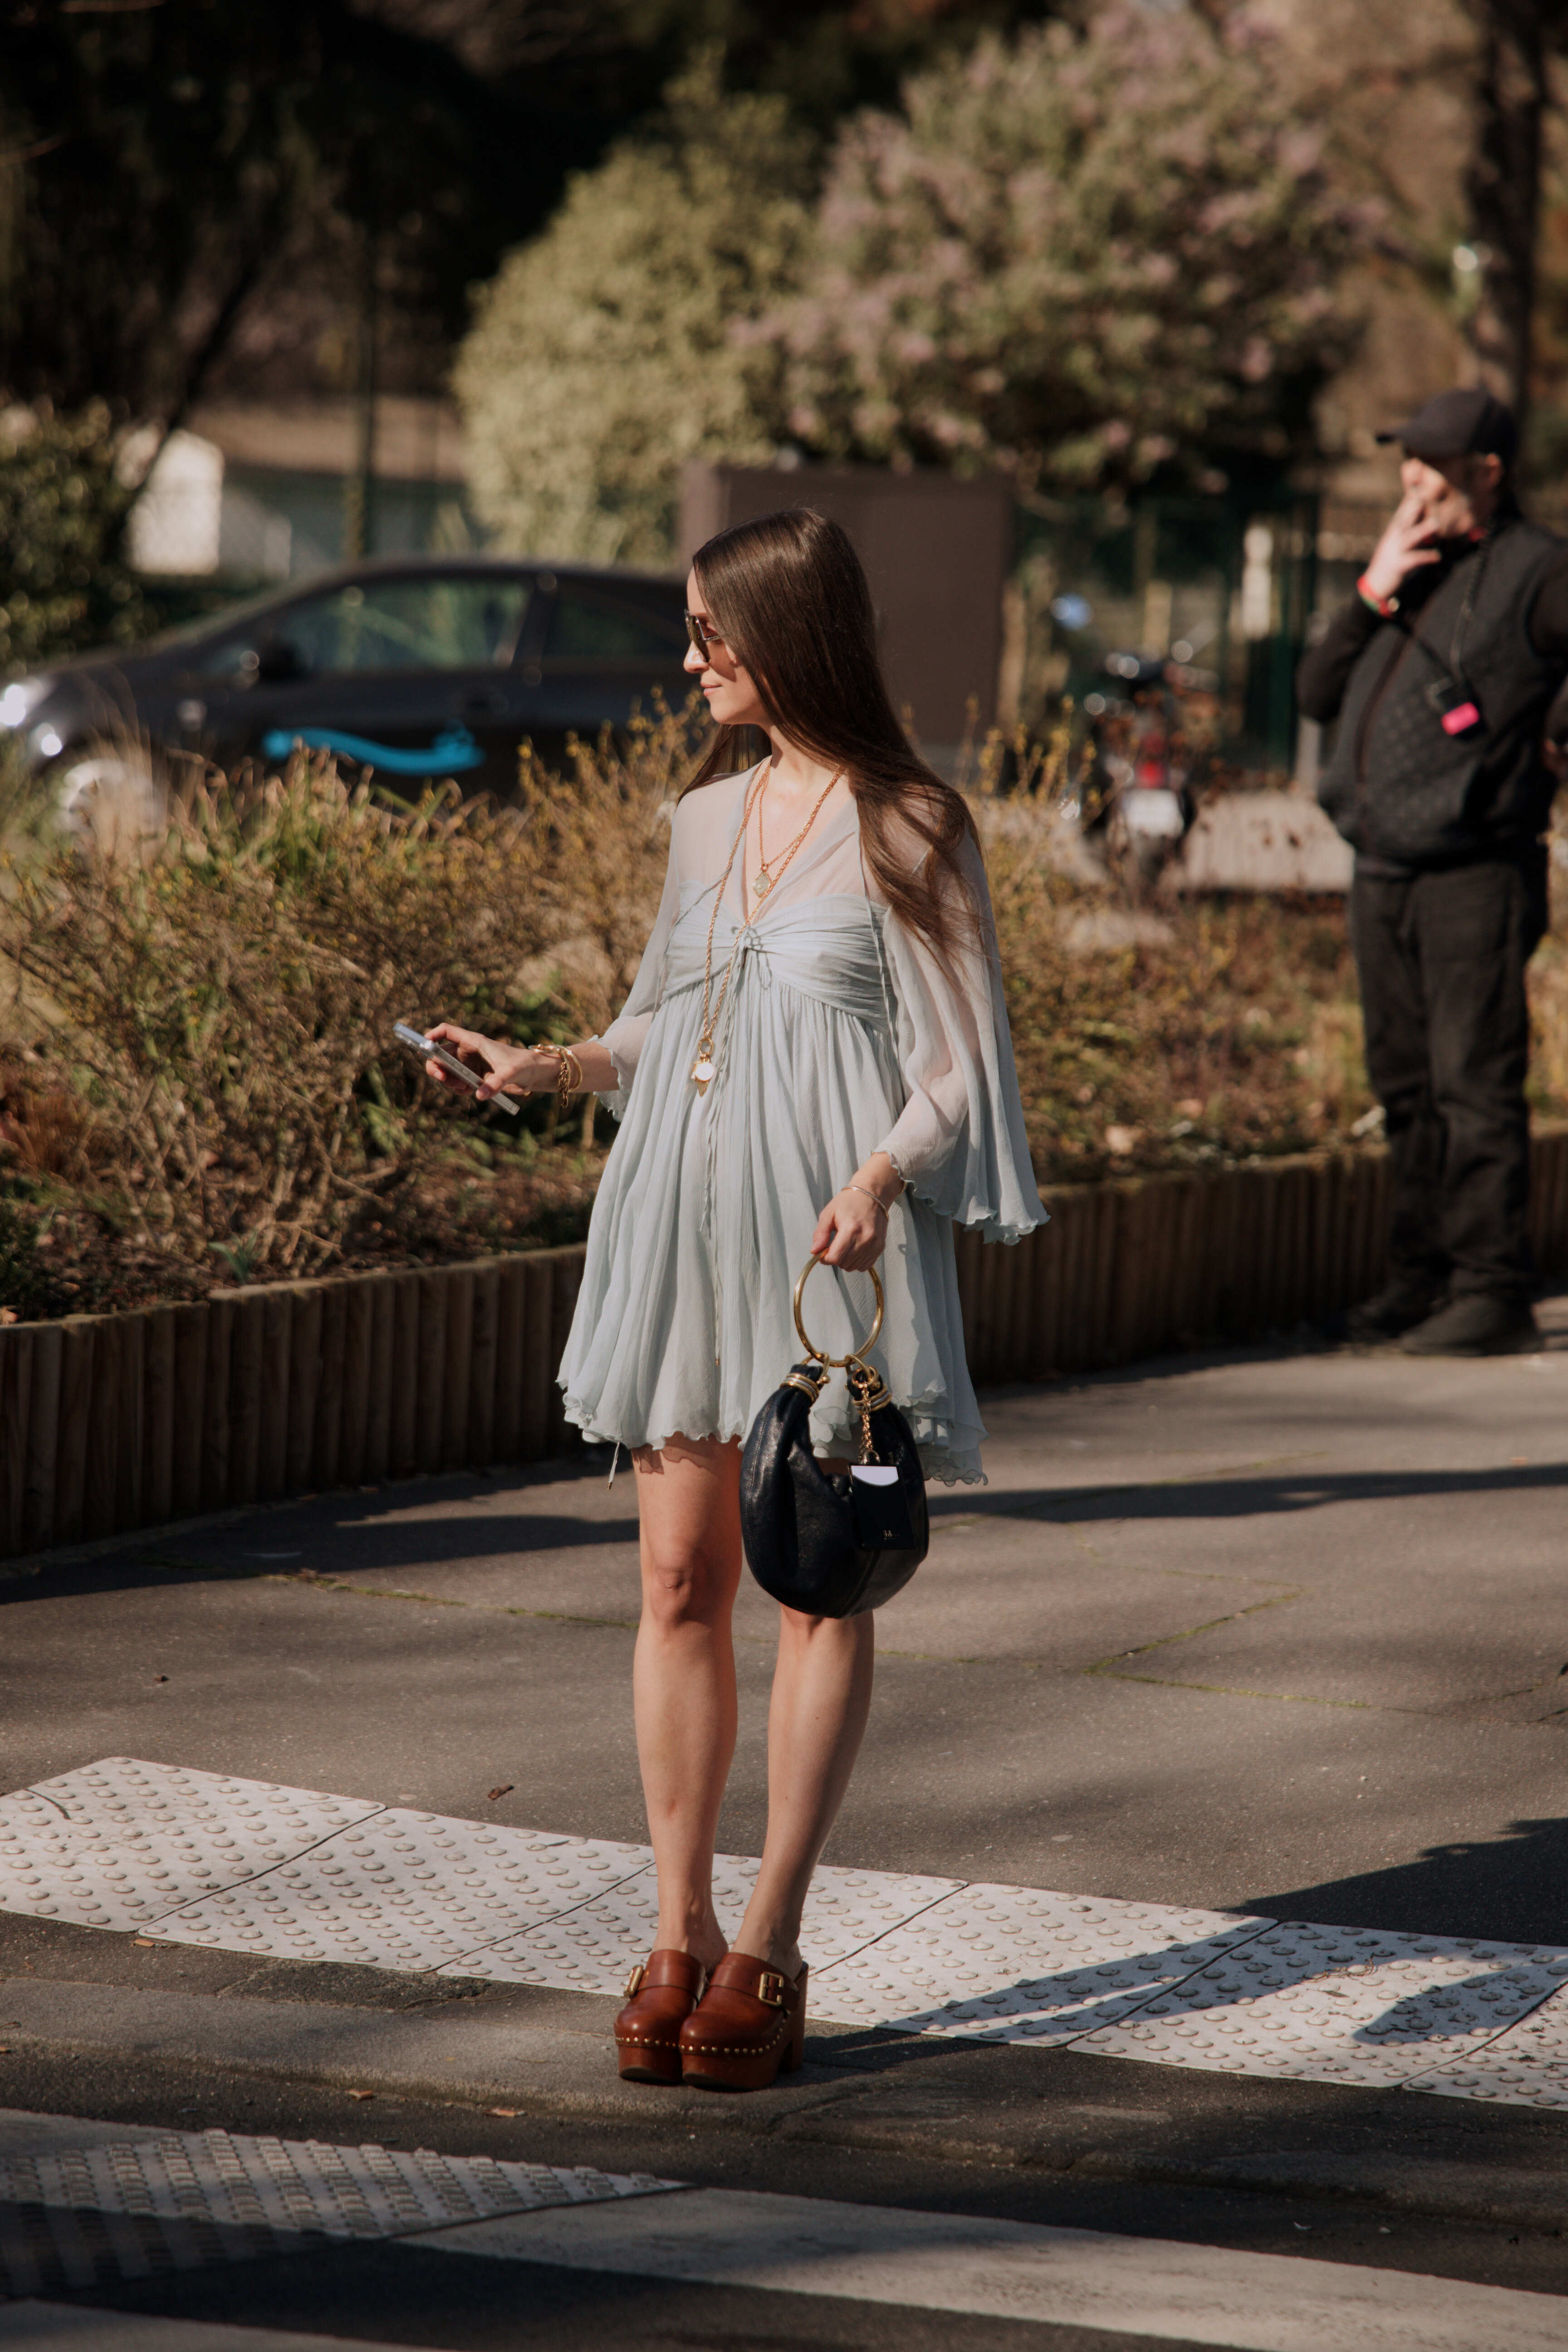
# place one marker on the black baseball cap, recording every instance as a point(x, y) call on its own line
point(1469, 422)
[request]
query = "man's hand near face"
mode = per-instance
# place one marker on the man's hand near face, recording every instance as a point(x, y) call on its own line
point(1452, 499)
point(1408, 543)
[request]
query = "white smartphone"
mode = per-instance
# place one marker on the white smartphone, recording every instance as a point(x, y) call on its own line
point(430, 1049)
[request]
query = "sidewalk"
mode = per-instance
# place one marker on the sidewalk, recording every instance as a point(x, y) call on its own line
point(1272, 1635)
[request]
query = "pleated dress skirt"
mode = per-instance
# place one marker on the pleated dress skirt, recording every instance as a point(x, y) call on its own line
point(703, 1221)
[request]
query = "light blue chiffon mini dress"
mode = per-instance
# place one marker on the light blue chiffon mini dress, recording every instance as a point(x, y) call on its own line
point(842, 1033)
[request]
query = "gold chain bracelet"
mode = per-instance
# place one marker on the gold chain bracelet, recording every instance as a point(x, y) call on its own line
point(568, 1072)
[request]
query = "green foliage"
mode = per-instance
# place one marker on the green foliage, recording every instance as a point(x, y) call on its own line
point(1077, 255)
point(604, 353)
point(63, 585)
point(28, 1288)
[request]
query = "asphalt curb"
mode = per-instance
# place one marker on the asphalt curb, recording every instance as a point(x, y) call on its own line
point(895, 2096)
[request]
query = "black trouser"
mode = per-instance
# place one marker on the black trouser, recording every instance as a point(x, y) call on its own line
point(1441, 959)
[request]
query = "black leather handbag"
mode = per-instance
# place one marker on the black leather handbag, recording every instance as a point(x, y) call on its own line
point(832, 1545)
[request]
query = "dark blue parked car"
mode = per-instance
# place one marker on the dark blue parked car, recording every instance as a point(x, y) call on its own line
point(419, 668)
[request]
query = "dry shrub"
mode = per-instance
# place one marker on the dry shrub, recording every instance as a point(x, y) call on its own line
point(215, 1082)
point(224, 1006)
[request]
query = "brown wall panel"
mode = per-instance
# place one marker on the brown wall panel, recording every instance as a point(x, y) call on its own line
point(247, 1357)
point(190, 1387)
point(100, 1460)
point(15, 1433)
point(403, 1444)
point(272, 1429)
point(379, 1380)
point(304, 1380)
point(481, 1444)
point(458, 1383)
point(358, 1315)
point(217, 1431)
point(43, 1438)
point(128, 1502)
point(111, 1421)
point(158, 1416)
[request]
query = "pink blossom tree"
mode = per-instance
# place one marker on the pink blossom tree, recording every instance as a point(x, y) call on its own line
point(1076, 257)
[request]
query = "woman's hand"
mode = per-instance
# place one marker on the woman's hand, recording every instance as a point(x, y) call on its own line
point(511, 1069)
point(852, 1231)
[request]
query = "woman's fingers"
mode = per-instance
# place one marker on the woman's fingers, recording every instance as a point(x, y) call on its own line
point(850, 1242)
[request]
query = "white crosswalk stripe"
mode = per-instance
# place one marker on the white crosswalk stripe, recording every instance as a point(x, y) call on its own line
point(1017, 2270)
point(240, 1865)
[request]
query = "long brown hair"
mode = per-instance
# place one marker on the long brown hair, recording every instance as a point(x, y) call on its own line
point(791, 600)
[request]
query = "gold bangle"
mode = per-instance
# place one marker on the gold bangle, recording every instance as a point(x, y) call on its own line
point(869, 1195)
point(568, 1072)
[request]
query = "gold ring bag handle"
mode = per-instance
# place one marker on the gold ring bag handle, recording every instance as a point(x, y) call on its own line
point(856, 1355)
point(832, 1543)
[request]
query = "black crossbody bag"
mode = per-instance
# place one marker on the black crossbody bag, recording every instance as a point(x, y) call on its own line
point(827, 1544)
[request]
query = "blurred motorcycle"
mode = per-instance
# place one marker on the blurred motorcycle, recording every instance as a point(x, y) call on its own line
point(1139, 804)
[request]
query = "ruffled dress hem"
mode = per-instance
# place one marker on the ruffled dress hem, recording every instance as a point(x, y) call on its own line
point(948, 1464)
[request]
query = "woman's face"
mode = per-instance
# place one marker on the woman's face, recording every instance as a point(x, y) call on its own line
point(729, 689)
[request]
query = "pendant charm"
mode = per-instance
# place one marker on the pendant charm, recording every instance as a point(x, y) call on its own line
point(762, 884)
point(703, 1069)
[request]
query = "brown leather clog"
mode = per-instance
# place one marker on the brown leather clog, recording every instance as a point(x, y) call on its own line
point(749, 2026)
point(660, 1996)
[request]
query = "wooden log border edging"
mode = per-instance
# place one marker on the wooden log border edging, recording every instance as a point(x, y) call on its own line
point(112, 1423)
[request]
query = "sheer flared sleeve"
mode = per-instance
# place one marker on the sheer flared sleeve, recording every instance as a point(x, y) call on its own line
point(959, 1141)
point(624, 1037)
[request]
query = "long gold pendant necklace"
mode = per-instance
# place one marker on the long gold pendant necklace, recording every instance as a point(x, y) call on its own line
point(765, 879)
point(704, 1069)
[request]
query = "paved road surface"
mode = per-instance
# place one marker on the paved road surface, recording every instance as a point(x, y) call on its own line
point(1274, 1633)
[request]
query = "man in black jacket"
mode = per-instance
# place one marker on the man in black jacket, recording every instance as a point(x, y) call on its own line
point(1447, 677)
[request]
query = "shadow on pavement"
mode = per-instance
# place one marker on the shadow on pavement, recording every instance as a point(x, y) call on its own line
point(1513, 1889)
point(1241, 1497)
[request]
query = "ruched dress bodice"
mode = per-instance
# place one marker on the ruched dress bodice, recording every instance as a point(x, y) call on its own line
point(708, 1202)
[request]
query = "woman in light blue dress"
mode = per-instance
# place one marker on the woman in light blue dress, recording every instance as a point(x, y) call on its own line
point(814, 1061)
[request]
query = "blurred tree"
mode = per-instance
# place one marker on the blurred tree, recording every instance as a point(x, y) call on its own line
point(185, 185)
point(1503, 184)
point(62, 512)
point(605, 352)
point(1081, 256)
point(171, 168)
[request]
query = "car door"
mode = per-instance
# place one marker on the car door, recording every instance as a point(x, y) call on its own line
point(601, 646)
point(412, 673)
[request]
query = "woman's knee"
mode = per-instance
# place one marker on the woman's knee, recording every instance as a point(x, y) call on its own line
point(688, 1588)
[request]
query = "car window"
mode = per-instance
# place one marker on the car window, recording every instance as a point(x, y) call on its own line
point(591, 624)
point(463, 623)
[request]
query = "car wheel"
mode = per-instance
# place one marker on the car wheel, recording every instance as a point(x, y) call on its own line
point(118, 797)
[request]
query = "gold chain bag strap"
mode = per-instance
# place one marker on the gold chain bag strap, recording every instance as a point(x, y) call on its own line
point(824, 1543)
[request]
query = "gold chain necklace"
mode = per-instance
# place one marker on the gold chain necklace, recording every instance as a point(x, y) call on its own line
point(765, 878)
point(704, 1068)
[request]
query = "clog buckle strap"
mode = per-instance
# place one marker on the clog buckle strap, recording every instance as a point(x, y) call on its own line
point(771, 1988)
point(635, 1982)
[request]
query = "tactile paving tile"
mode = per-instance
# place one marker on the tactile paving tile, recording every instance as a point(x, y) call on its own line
point(593, 1948)
point(131, 2208)
point(120, 1842)
point(1010, 1963)
point(1336, 2005)
point(1527, 2066)
point(406, 1890)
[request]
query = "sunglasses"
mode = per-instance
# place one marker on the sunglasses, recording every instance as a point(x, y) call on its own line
point(702, 636)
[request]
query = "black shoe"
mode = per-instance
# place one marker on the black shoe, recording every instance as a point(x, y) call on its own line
point(1398, 1307)
point(1476, 1323)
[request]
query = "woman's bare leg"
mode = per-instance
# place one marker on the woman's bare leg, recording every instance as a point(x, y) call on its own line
point(822, 1696)
point(683, 1681)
